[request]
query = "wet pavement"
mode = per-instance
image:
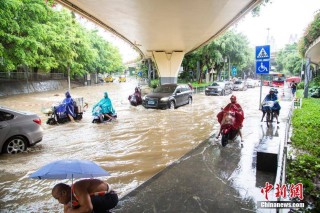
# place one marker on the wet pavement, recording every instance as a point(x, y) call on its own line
point(212, 178)
point(138, 145)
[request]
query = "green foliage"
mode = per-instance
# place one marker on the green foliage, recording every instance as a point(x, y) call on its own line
point(154, 83)
point(34, 35)
point(300, 85)
point(230, 48)
point(288, 60)
point(311, 34)
point(305, 166)
point(315, 82)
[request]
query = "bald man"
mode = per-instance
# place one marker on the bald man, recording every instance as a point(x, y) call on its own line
point(88, 195)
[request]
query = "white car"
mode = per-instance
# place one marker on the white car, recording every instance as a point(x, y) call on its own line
point(18, 130)
point(251, 83)
point(239, 85)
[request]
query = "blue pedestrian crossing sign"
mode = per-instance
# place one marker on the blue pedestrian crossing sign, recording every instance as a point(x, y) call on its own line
point(263, 59)
point(263, 52)
point(234, 70)
point(262, 67)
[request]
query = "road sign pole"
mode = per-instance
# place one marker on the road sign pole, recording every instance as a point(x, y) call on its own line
point(261, 83)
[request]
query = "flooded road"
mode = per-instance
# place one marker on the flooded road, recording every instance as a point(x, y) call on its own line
point(139, 144)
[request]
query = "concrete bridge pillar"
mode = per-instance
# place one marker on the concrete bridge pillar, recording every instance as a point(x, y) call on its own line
point(168, 65)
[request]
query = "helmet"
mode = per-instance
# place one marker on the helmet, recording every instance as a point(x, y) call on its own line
point(233, 97)
point(272, 90)
point(67, 94)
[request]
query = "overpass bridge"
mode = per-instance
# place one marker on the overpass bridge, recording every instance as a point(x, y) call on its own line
point(164, 30)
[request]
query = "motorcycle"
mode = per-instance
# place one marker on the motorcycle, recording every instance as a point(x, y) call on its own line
point(135, 99)
point(58, 112)
point(230, 124)
point(267, 109)
point(98, 117)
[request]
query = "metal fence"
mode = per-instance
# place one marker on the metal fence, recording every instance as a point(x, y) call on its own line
point(32, 76)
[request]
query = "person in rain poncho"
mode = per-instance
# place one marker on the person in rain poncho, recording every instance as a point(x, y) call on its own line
point(69, 104)
point(106, 107)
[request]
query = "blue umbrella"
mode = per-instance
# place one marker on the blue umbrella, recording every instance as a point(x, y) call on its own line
point(69, 169)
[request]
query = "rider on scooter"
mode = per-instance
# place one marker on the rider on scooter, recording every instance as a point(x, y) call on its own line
point(272, 96)
point(135, 99)
point(235, 107)
point(106, 107)
point(69, 103)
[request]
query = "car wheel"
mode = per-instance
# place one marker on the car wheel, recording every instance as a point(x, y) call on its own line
point(222, 93)
point(15, 145)
point(189, 100)
point(171, 105)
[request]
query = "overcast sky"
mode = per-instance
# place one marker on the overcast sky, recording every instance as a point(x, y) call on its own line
point(284, 18)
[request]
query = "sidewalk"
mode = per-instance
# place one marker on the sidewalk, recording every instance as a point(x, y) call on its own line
point(212, 178)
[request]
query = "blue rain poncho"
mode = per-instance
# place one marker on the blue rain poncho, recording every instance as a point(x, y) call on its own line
point(68, 103)
point(272, 97)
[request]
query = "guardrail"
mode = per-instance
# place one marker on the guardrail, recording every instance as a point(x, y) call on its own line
point(31, 76)
point(199, 89)
point(282, 160)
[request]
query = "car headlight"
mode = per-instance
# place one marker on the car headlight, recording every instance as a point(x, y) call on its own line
point(207, 88)
point(219, 89)
point(165, 99)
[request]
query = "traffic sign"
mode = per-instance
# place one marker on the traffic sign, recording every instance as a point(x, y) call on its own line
point(263, 67)
point(263, 52)
point(234, 70)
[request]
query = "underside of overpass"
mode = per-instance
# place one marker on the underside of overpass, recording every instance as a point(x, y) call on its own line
point(164, 30)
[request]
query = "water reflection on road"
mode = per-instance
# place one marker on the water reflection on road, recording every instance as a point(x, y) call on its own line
point(139, 144)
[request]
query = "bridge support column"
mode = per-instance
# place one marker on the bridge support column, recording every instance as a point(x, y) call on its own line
point(168, 65)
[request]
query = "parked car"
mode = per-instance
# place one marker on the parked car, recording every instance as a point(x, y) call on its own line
point(219, 88)
point(109, 78)
point(122, 78)
point(168, 96)
point(239, 85)
point(18, 130)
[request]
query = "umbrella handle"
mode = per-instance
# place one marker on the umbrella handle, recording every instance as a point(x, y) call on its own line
point(71, 189)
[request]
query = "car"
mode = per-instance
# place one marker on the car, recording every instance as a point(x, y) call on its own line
point(122, 78)
point(239, 85)
point(168, 96)
point(109, 78)
point(250, 83)
point(18, 130)
point(219, 88)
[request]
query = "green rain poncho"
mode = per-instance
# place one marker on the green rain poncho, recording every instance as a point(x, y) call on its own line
point(105, 105)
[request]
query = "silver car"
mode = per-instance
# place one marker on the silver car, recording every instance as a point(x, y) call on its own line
point(18, 130)
point(219, 88)
point(240, 85)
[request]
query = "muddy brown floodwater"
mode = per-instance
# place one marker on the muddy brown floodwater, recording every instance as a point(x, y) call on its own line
point(139, 144)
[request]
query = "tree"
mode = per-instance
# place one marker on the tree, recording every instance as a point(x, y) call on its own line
point(34, 35)
point(231, 45)
point(288, 60)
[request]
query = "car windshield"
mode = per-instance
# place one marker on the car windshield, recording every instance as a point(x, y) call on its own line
point(216, 84)
point(165, 89)
point(238, 82)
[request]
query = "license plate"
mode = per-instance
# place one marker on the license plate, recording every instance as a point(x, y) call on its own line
point(151, 102)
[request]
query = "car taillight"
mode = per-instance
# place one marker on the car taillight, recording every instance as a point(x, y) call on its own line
point(38, 121)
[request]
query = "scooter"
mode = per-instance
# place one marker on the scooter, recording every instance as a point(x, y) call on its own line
point(58, 113)
point(267, 109)
point(230, 122)
point(135, 99)
point(98, 117)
